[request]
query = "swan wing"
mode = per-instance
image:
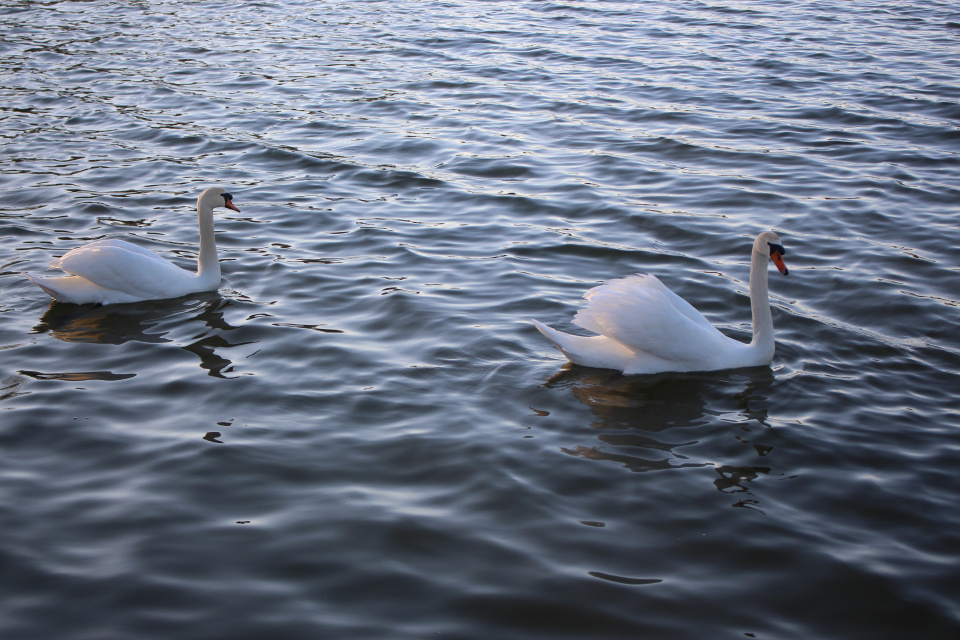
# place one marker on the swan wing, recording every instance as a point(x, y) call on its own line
point(122, 266)
point(681, 305)
point(107, 242)
point(643, 314)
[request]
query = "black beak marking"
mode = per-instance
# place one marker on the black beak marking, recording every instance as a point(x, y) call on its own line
point(228, 202)
point(776, 248)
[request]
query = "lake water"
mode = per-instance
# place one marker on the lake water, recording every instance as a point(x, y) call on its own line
point(361, 434)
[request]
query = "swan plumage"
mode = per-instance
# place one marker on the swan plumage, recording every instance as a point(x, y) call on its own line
point(644, 327)
point(114, 271)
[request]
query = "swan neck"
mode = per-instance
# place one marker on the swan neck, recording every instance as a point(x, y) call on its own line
point(208, 266)
point(760, 305)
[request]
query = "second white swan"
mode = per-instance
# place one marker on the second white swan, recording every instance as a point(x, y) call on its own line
point(113, 271)
point(644, 327)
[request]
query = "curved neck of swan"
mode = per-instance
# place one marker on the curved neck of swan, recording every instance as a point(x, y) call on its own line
point(208, 266)
point(760, 305)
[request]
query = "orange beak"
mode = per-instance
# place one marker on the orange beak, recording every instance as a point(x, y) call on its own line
point(228, 203)
point(777, 258)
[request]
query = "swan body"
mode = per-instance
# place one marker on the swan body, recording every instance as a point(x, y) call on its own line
point(114, 271)
point(643, 327)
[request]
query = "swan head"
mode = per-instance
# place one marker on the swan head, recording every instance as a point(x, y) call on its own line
point(768, 244)
point(216, 197)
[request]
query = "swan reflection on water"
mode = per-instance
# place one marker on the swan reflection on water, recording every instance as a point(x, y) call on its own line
point(149, 322)
point(659, 422)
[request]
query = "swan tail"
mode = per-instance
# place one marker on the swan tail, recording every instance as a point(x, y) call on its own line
point(558, 338)
point(590, 351)
point(73, 289)
point(44, 284)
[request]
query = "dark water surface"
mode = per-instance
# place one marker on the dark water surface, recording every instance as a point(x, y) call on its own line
point(361, 435)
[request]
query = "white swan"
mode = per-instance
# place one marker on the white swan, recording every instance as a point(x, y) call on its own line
point(646, 328)
point(114, 271)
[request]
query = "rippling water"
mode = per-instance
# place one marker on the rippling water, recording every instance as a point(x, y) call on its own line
point(361, 435)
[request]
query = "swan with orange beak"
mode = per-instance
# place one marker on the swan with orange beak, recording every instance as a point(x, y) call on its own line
point(113, 271)
point(643, 327)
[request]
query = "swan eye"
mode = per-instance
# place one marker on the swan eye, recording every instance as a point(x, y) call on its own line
point(227, 197)
point(777, 248)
